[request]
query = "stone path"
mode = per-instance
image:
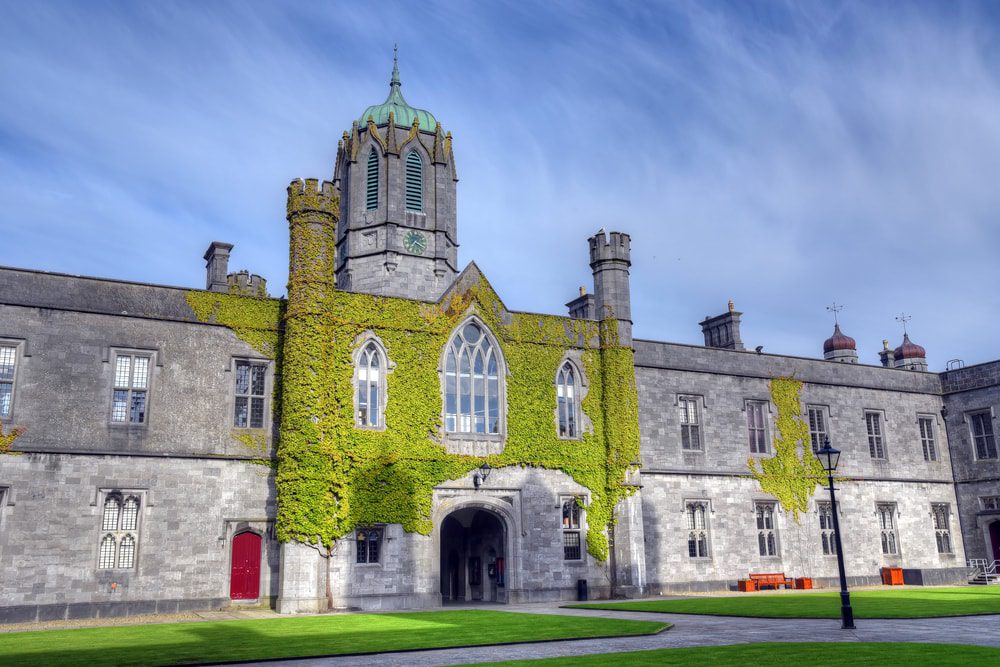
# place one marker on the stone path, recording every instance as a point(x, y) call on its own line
point(688, 630)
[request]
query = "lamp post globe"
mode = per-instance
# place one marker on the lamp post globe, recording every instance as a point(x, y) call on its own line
point(828, 456)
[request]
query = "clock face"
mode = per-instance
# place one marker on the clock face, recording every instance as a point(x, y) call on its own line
point(415, 242)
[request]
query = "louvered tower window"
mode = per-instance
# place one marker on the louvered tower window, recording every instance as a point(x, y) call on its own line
point(414, 182)
point(371, 185)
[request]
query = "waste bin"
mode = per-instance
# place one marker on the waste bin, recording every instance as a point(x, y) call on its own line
point(581, 589)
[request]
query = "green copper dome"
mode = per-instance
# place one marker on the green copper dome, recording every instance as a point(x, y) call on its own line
point(402, 112)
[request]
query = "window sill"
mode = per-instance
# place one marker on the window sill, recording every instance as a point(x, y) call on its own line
point(128, 425)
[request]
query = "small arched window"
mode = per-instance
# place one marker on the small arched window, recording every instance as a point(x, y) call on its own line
point(369, 379)
point(108, 550)
point(371, 182)
point(112, 508)
point(126, 552)
point(472, 383)
point(414, 182)
point(567, 401)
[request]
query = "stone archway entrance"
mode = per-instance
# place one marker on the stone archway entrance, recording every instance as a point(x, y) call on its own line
point(473, 559)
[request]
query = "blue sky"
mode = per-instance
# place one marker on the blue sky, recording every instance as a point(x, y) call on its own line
point(780, 155)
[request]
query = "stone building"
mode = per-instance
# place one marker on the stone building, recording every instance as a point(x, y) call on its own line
point(171, 449)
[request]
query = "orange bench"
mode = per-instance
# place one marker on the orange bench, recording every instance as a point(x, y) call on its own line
point(773, 580)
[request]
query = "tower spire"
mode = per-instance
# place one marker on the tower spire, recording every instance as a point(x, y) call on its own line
point(395, 67)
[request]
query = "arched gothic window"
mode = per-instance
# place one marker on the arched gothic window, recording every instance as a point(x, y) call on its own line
point(472, 383)
point(567, 401)
point(414, 182)
point(371, 182)
point(119, 523)
point(697, 530)
point(370, 378)
point(112, 508)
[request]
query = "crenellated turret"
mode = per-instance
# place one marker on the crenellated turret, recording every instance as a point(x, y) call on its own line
point(610, 259)
point(312, 213)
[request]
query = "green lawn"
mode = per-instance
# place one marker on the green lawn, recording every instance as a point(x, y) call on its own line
point(813, 654)
point(892, 603)
point(184, 643)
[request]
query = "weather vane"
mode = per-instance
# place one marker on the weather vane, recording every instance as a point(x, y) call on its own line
point(835, 309)
point(903, 318)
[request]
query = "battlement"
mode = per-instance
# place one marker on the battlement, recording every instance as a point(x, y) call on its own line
point(605, 247)
point(246, 284)
point(308, 195)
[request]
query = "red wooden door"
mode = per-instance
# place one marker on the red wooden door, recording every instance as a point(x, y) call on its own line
point(244, 579)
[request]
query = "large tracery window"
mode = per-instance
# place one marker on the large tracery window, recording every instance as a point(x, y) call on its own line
point(370, 376)
point(119, 524)
point(472, 383)
point(566, 401)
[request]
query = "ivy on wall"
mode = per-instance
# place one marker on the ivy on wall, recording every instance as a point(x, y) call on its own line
point(792, 473)
point(332, 476)
point(7, 439)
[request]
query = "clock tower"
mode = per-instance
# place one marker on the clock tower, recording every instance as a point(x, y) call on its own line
point(396, 175)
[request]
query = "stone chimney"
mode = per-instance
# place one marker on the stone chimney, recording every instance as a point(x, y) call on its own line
point(887, 356)
point(723, 330)
point(582, 307)
point(217, 266)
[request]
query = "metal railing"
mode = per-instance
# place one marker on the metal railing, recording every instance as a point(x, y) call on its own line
point(983, 567)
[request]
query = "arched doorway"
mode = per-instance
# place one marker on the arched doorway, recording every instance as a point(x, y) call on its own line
point(473, 562)
point(244, 575)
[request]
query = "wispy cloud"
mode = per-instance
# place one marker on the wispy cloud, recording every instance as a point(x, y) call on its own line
point(780, 155)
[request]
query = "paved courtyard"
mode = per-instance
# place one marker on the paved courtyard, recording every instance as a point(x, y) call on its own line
point(689, 630)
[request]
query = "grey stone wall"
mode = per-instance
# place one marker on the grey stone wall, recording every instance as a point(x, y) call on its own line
point(662, 374)
point(724, 380)
point(50, 529)
point(973, 389)
point(734, 553)
point(196, 487)
point(63, 390)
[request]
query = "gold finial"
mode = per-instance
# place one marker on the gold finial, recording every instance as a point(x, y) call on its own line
point(732, 306)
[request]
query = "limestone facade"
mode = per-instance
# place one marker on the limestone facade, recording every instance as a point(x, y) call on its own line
point(195, 488)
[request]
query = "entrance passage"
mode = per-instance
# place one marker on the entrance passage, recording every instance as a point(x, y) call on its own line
point(473, 567)
point(244, 579)
point(995, 539)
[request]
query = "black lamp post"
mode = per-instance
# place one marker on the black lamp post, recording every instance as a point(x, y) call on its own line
point(830, 457)
point(481, 475)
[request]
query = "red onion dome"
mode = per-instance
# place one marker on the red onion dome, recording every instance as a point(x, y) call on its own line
point(909, 350)
point(838, 341)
